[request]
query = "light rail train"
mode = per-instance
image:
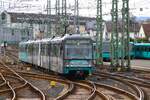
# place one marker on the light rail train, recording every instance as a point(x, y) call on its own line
point(68, 55)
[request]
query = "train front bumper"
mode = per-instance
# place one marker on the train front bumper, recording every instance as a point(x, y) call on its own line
point(87, 70)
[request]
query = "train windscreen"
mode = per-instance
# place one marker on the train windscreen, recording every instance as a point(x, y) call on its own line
point(78, 50)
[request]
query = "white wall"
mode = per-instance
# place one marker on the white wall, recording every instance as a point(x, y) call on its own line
point(141, 33)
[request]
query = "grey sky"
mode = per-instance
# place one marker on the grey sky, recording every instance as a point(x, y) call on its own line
point(88, 7)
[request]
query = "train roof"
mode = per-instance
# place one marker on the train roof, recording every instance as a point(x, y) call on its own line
point(59, 39)
point(78, 36)
point(142, 44)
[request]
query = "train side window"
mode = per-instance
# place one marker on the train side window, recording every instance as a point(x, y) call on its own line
point(26, 47)
point(140, 49)
point(36, 49)
point(147, 49)
point(144, 49)
point(48, 49)
point(137, 48)
point(56, 50)
point(52, 50)
point(61, 50)
point(42, 49)
point(45, 50)
point(30, 48)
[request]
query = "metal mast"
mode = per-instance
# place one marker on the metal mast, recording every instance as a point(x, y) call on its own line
point(99, 34)
point(49, 18)
point(57, 7)
point(58, 18)
point(125, 36)
point(64, 17)
point(114, 36)
point(76, 16)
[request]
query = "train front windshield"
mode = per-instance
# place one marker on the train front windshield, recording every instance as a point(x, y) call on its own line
point(78, 50)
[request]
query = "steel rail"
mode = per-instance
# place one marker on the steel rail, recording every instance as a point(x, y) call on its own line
point(39, 91)
point(131, 80)
point(118, 90)
point(8, 84)
point(50, 77)
point(138, 91)
point(94, 91)
point(67, 92)
point(72, 85)
point(14, 93)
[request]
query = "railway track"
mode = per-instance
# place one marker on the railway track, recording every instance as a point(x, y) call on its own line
point(116, 92)
point(84, 88)
point(76, 90)
point(15, 83)
point(96, 90)
point(138, 85)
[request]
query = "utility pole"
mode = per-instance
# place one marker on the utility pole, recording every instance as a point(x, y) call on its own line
point(99, 33)
point(114, 36)
point(49, 33)
point(125, 37)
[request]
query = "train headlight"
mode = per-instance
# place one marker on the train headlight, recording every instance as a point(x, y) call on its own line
point(66, 63)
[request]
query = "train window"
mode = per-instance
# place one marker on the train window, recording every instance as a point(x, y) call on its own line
point(147, 49)
point(144, 49)
point(56, 50)
point(29, 48)
point(140, 48)
point(48, 49)
point(137, 49)
point(42, 49)
point(53, 50)
point(45, 49)
point(34, 50)
point(26, 48)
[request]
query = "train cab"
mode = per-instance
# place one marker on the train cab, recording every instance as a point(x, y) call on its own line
point(78, 56)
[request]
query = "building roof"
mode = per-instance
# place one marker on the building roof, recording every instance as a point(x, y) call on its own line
point(146, 28)
point(132, 27)
point(42, 18)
